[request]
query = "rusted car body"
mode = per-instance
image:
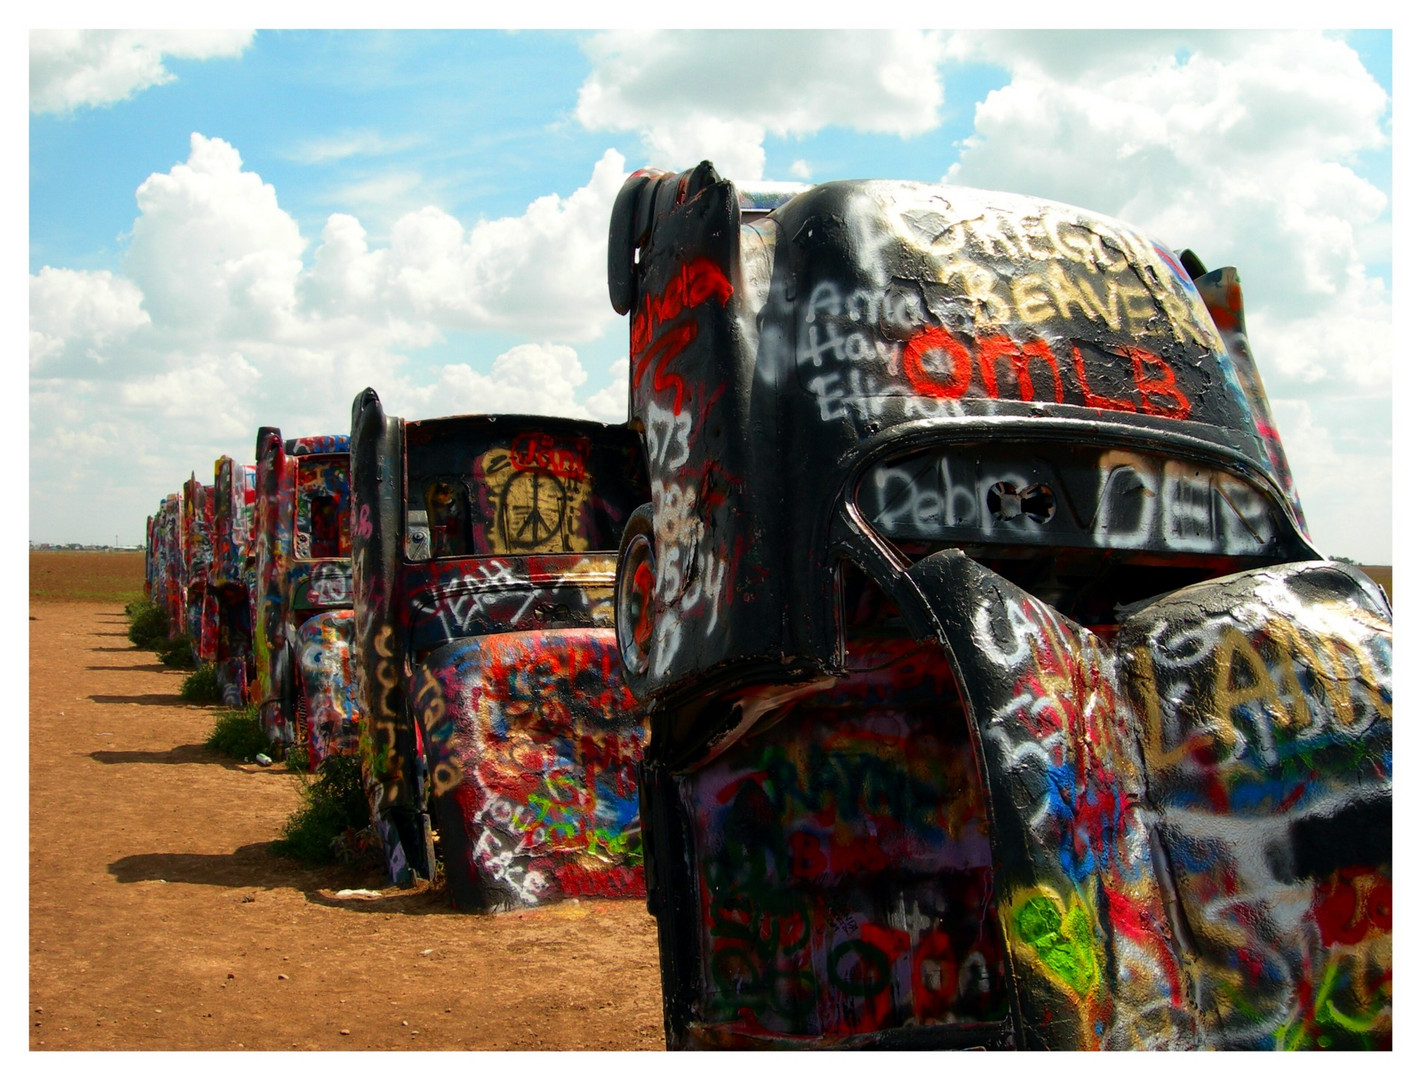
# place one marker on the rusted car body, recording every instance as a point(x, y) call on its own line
point(485, 551)
point(233, 575)
point(997, 696)
point(302, 615)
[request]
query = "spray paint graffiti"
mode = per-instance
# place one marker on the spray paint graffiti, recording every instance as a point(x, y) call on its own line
point(482, 584)
point(199, 621)
point(234, 491)
point(533, 742)
point(332, 715)
point(302, 570)
point(165, 562)
point(846, 868)
point(1197, 788)
point(1069, 496)
point(997, 696)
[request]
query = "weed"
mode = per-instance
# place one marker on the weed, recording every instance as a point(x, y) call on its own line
point(147, 624)
point(202, 686)
point(176, 652)
point(332, 811)
point(238, 733)
point(298, 759)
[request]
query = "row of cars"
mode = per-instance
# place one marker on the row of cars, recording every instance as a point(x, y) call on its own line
point(434, 597)
point(938, 645)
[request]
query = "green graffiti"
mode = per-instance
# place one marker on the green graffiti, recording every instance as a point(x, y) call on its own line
point(1064, 945)
point(1331, 1028)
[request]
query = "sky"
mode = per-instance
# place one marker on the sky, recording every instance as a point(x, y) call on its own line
point(230, 229)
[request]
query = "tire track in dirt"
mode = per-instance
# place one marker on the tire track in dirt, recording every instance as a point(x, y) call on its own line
point(158, 919)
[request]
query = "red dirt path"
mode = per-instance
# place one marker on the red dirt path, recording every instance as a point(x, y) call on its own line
point(159, 920)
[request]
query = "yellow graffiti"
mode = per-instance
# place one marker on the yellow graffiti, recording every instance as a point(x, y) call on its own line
point(1261, 688)
point(448, 773)
point(1110, 276)
point(533, 511)
point(1323, 655)
point(1157, 756)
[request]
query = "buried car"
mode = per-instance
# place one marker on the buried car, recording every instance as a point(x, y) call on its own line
point(301, 602)
point(997, 696)
point(484, 559)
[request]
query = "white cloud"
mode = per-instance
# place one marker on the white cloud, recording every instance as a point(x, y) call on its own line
point(1345, 491)
point(78, 318)
point(212, 251)
point(224, 319)
point(544, 269)
point(378, 192)
point(736, 147)
point(716, 94)
point(539, 379)
point(349, 144)
point(70, 69)
point(610, 403)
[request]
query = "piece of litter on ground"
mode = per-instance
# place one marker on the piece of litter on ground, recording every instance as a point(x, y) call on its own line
point(363, 894)
point(426, 952)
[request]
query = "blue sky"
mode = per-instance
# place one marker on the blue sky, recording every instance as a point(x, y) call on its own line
point(235, 229)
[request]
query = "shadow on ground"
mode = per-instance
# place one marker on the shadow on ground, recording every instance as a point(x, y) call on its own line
point(255, 866)
point(188, 754)
point(137, 699)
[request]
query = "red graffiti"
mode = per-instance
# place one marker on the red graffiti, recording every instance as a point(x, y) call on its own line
point(930, 340)
point(1001, 347)
point(1352, 904)
point(954, 365)
point(545, 454)
point(695, 283)
point(612, 881)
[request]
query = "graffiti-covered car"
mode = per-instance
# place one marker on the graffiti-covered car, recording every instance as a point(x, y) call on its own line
point(302, 615)
point(485, 554)
point(164, 562)
point(997, 696)
point(200, 602)
point(233, 576)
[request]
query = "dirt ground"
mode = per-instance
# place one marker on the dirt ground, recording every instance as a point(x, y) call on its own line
point(158, 920)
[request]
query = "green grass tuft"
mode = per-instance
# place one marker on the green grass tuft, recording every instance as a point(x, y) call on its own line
point(147, 624)
point(333, 812)
point(238, 734)
point(298, 759)
point(202, 687)
point(176, 653)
